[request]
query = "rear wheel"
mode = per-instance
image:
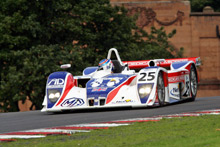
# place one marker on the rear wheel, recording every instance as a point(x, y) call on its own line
point(160, 89)
point(193, 83)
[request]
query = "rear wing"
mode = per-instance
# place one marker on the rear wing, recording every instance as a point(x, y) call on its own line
point(160, 62)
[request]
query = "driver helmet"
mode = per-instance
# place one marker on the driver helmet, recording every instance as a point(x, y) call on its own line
point(106, 65)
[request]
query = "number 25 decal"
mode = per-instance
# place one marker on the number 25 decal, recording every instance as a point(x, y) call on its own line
point(144, 76)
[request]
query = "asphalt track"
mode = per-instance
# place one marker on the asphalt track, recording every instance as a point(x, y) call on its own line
point(19, 121)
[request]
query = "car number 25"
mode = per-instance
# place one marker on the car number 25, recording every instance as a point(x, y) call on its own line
point(146, 76)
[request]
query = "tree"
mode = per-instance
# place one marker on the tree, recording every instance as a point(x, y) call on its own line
point(38, 36)
point(198, 5)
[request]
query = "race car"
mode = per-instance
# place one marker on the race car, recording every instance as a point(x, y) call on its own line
point(116, 83)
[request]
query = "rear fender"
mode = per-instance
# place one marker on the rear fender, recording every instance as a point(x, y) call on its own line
point(181, 65)
point(179, 79)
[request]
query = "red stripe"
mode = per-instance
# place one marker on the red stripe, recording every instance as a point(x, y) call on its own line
point(156, 94)
point(69, 85)
point(131, 121)
point(207, 112)
point(36, 133)
point(7, 140)
point(174, 74)
point(113, 93)
point(165, 78)
point(80, 128)
point(103, 62)
point(188, 67)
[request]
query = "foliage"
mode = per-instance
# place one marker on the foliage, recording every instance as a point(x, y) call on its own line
point(155, 45)
point(38, 36)
point(198, 5)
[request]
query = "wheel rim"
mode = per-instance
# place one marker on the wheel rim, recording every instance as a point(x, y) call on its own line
point(193, 82)
point(160, 89)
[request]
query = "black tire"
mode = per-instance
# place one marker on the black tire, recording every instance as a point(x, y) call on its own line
point(193, 83)
point(160, 89)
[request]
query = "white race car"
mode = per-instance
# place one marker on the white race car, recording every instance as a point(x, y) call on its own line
point(114, 83)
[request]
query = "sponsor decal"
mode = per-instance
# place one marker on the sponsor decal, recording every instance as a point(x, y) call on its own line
point(103, 82)
point(138, 63)
point(176, 79)
point(175, 92)
point(97, 82)
point(133, 63)
point(123, 101)
point(56, 83)
point(113, 82)
point(72, 102)
point(150, 76)
point(129, 100)
point(99, 89)
point(175, 60)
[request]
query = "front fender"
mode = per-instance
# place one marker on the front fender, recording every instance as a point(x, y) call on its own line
point(59, 84)
point(147, 77)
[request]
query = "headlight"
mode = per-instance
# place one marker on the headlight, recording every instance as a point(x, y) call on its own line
point(53, 95)
point(144, 90)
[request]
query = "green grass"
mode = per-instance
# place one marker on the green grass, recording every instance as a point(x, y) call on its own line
point(177, 132)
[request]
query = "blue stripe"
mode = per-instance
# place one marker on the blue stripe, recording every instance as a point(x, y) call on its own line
point(177, 65)
point(105, 63)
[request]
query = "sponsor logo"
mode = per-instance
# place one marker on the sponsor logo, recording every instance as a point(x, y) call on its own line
point(123, 101)
point(56, 83)
point(163, 62)
point(129, 100)
point(113, 82)
point(175, 60)
point(101, 82)
point(72, 102)
point(97, 82)
point(176, 79)
point(138, 63)
point(175, 92)
point(99, 89)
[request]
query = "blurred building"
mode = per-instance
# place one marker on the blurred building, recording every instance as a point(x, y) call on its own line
point(197, 32)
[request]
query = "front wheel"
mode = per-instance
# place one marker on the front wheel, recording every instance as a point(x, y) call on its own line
point(193, 83)
point(160, 89)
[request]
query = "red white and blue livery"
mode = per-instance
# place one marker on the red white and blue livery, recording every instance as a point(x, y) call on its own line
point(114, 83)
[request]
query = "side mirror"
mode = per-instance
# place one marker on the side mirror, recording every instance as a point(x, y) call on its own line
point(64, 66)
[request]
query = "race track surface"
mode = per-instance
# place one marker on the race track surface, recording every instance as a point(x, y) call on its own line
point(19, 121)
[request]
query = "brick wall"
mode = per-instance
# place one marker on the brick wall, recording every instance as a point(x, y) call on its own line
point(196, 32)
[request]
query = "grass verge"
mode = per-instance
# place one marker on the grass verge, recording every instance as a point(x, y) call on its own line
point(182, 132)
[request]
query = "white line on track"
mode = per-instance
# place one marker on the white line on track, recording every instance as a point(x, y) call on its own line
point(56, 130)
point(98, 125)
point(137, 119)
point(21, 136)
